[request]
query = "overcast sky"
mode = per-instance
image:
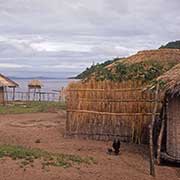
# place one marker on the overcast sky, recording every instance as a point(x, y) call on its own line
point(68, 35)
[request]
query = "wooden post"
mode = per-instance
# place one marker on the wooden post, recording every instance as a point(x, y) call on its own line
point(160, 137)
point(13, 98)
point(22, 96)
point(6, 94)
point(44, 99)
point(39, 95)
point(59, 95)
point(151, 127)
point(28, 94)
point(2, 95)
point(34, 94)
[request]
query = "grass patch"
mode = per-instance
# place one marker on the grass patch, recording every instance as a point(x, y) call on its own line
point(27, 157)
point(32, 107)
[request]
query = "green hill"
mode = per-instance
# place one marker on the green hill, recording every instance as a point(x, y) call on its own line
point(94, 68)
point(172, 45)
point(100, 69)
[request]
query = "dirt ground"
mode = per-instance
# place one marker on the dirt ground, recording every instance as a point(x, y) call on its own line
point(25, 129)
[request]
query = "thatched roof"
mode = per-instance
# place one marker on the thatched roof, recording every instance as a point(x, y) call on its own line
point(169, 59)
point(149, 66)
point(171, 80)
point(162, 56)
point(6, 82)
point(145, 66)
point(35, 84)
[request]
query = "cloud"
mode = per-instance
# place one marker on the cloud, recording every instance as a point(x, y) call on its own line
point(70, 34)
point(11, 65)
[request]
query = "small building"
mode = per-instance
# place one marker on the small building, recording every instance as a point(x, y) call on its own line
point(5, 83)
point(36, 86)
point(170, 121)
point(119, 102)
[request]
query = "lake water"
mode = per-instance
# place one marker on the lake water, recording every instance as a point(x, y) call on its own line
point(49, 85)
point(49, 91)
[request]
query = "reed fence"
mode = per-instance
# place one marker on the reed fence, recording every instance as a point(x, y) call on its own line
point(104, 109)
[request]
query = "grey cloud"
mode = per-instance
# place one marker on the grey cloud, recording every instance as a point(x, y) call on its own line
point(109, 28)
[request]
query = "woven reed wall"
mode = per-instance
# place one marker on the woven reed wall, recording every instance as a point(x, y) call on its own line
point(173, 128)
point(104, 109)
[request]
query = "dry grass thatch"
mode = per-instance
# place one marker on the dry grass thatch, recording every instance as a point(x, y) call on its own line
point(104, 109)
point(6, 82)
point(171, 80)
point(35, 84)
point(145, 66)
point(163, 56)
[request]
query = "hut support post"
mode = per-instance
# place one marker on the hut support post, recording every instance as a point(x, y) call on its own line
point(160, 137)
point(13, 98)
point(151, 127)
point(2, 95)
point(6, 94)
point(34, 95)
point(39, 94)
point(28, 94)
point(59, 95)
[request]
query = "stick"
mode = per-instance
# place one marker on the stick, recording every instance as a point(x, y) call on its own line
point(151, 146)
point(159, 143)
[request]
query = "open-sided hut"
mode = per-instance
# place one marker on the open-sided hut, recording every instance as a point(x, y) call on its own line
point(36, 86)
point(119, 101)
point(5, 83)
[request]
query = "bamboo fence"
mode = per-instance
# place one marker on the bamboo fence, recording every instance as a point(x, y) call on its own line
point(105, 109)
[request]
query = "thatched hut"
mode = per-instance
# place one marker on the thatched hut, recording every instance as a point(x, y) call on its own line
point(170, 122)
point(120, 100)
point(36, 86)
point(5, 83)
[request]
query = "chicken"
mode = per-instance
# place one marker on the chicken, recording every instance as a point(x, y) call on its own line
point(116, 146)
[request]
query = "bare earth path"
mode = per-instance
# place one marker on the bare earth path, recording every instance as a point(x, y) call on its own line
point(25, 129)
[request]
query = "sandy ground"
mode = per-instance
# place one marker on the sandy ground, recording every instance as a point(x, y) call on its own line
point(25, 129)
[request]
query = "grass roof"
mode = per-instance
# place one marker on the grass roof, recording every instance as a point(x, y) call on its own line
point(145, 65)
point(171, 80)
point(35, 84)
point(6, 82)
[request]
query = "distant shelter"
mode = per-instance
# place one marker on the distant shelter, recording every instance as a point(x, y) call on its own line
point(36, 86)
point(6, 83)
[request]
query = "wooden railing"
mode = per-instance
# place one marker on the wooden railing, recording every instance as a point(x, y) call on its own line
point(34, 96)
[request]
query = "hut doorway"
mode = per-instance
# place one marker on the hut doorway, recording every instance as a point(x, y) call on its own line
point(173, 127)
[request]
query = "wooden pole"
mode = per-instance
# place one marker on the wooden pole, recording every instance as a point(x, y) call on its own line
point(6, 94)
point(13, 98)
point(29, 94)
point(3, 96)
point(22, 96)
point(151, 127)
point(34, 94)
point(59, 95)
point(160, 137)
point(39, 96)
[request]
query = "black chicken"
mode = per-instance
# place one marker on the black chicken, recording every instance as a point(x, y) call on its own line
point(116, 146)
